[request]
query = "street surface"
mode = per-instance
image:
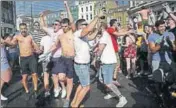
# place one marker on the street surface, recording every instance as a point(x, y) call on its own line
point(134, 91)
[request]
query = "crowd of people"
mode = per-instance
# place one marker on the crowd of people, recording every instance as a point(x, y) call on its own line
point(70, 48)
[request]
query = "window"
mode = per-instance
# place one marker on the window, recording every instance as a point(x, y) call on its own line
point(172, 8)
point(91, 16)
point(86, 9)
point(82, 17)
point(120, 19)
point(87, 17)
point(82, 9)
point(90, 8)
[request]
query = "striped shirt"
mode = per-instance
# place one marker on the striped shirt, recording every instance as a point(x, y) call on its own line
point(37, 36)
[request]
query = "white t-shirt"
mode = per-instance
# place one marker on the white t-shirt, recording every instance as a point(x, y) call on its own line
point(46, 42)
point(82, 54)
point(108, 56)
point(54, 36)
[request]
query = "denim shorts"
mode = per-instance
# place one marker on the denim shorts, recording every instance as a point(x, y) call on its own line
point(107, 70)
point(82, 71)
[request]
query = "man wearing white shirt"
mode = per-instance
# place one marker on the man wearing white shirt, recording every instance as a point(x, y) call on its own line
point(107, 56)
point(82, 57)
point(45, 44)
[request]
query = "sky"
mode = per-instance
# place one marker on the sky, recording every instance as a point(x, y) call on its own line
point(24, 7)
point(122, 2)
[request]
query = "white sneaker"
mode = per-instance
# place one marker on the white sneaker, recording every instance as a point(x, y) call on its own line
point(56, 92)
point(122, 102)
point(109, 96)
point(3, 98)
point(47, 94)
point(64, 93)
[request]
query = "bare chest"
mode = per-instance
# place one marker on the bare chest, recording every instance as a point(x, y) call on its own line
point(24, 40)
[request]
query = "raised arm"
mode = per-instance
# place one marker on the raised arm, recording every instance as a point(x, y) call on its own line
point(173, 16)
point(12, 42)
point(169, 11)
point(70, 16)
point(91, 26)
point(42, 21)
point(118, 33)
point(93, 35)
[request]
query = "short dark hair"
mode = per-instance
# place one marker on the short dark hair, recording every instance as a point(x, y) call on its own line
point(112, 21)
point(58, 21)
point(23, 24)
point(36, 22)
point(78, 22)
point(6, 35)
point(65, 21)
point(158, 23)
point(143, 7)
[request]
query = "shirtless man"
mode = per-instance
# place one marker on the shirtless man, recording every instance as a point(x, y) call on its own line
point(144, 13)
point(54, 33)
point(68, 51)
point(27, 48)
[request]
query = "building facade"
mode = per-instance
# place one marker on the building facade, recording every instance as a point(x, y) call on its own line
point(8, 17)
point(120, 14)
point(86, 10)
point(155, 6)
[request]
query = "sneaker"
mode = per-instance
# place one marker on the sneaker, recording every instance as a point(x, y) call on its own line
point(56, 92)
point(3, 98)
point(64, 93)
point(35, 94)
point(47, 94)
point(122, 102)
point(66, 103)
point(128, 77)
point(109, 96)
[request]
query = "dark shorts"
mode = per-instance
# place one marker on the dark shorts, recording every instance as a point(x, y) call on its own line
point(63, 65)
point(28, 64)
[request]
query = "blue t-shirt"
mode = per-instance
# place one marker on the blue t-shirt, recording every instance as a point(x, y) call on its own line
point(157, 38)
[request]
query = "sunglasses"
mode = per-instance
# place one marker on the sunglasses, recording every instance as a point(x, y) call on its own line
point(84, 24)
point(36, 25)
point(64, 26)
point(55, 24)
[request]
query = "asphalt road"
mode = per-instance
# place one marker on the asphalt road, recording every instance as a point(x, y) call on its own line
point(134, 90)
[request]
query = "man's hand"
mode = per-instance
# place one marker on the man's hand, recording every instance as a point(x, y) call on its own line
point(101, 14)
point(44, 13)
point(2, 41)
point(44, 56)
point(38, 51)
point(167, 8)
point(65, 3)
point(131, 32)
point(169, 42)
